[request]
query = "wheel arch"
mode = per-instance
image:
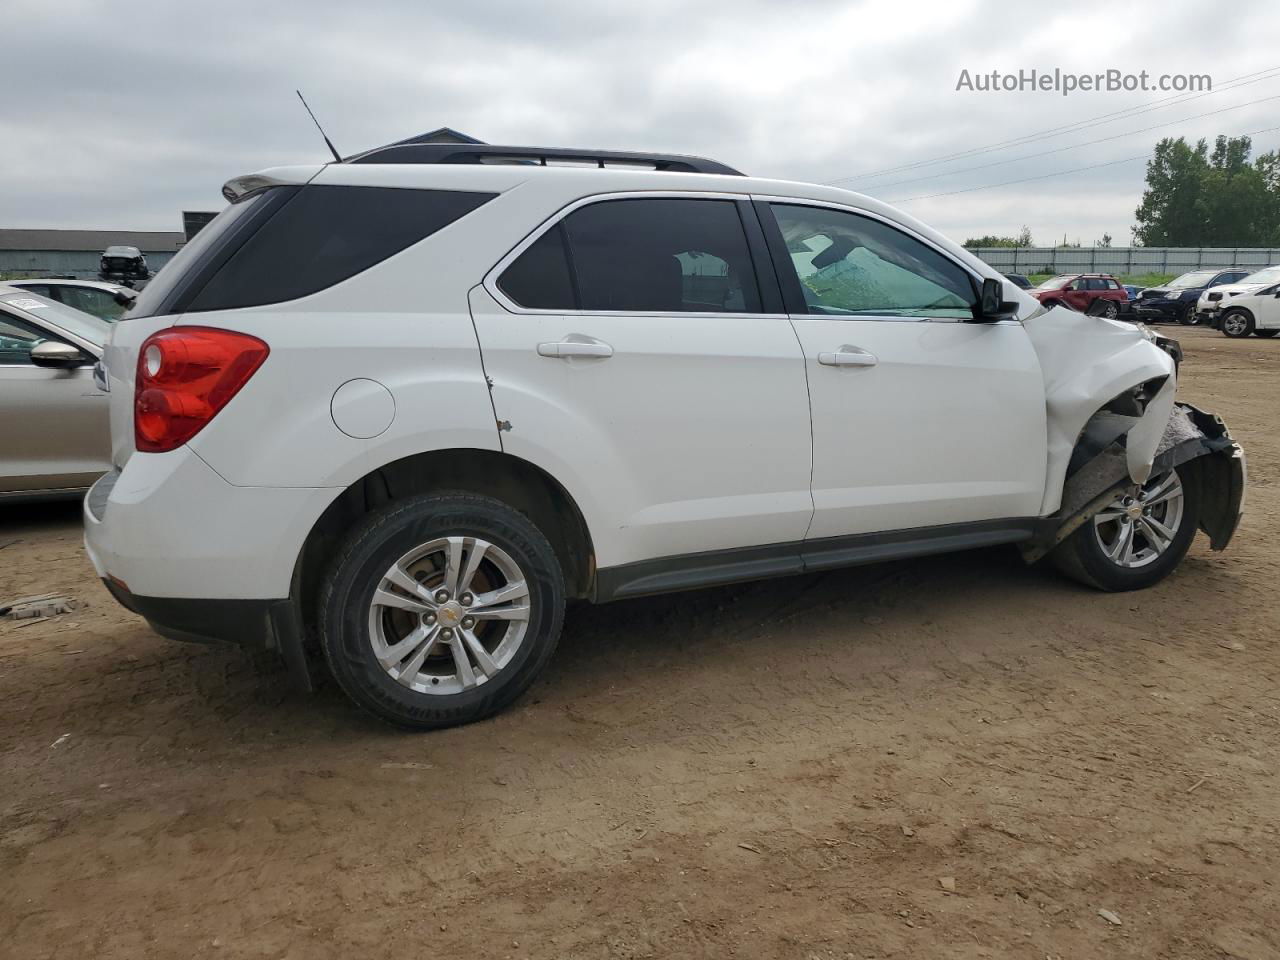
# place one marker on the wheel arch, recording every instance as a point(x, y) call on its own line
point(1244, 311)
point(516, 482)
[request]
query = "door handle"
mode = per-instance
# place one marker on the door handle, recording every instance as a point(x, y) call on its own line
point(570, 347)
point(847, 356)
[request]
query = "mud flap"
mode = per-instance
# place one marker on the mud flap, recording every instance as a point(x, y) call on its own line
point(1190, 436)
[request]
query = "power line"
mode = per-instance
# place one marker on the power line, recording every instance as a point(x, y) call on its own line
point(1075, 127)
point(1074, 146)
point(1047, 176)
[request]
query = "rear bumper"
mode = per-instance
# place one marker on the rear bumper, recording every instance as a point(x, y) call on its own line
point(202, 559)
point(168, 526)
point(246, 623)
point(253, 624)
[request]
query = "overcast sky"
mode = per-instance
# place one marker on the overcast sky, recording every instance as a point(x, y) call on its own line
point(122, 115)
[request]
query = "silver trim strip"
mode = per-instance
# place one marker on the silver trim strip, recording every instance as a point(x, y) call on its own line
point(490, 281)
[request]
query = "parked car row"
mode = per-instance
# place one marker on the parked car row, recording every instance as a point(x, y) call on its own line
point(1176, 301)
point(1239, 301)
point(1250, 306)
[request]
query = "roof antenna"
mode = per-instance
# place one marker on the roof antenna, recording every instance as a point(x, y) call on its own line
point(327, 142)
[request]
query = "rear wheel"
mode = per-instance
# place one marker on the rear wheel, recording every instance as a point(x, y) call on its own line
point(1136, 540)
point(1111, 310)
point(1237, 323)
point(441, 610)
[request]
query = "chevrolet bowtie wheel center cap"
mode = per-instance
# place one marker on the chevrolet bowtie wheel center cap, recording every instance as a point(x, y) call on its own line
point(449, 614)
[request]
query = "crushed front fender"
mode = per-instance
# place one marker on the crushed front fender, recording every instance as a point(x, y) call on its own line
point(1192, 439)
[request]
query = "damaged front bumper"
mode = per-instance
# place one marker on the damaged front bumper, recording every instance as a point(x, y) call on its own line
point(1191, 437)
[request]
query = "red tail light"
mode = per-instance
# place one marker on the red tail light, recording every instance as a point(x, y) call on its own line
point(185, 376)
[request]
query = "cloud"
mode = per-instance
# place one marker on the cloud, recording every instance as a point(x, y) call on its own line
point(126, 119)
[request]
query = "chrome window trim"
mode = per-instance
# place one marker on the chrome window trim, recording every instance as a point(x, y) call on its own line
point(974, 278)
point(490, 281)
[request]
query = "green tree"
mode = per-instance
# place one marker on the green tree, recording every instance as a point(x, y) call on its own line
point(1023, 239)
point(1172, 210)
point(1201, 198)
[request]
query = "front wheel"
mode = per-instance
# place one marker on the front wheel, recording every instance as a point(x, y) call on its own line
point(1189, 317)
point(1136, 540)
point(1237, 323)
point(441, 610)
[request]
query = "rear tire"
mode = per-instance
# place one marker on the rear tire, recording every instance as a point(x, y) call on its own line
point(1158, 537)
point(1237, 323)
point(1111, 310)
point(441, 610)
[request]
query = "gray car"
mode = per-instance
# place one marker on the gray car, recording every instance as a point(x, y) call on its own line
point(54, 438)
point(105, 300)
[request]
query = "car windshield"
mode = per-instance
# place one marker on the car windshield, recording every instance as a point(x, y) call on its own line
point(1196, 278)
point(1057, 283)
point(74, 322)
point(1265, 275)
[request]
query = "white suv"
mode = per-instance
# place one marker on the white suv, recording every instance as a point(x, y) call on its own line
point(393, 412)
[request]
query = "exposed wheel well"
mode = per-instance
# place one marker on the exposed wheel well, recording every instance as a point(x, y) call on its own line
point(515, 482)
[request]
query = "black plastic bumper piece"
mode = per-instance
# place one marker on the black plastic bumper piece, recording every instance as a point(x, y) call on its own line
point(255, 624)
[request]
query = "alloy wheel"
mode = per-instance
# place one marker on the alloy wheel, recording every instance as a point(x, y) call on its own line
point(1138, 527)
point(449, 615)
point(1235, 325)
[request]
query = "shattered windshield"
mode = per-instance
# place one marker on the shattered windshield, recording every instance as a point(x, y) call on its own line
point(849, 264)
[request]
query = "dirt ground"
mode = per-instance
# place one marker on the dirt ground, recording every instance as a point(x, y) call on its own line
point(795, 769)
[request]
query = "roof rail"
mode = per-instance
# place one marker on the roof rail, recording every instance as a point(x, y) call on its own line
point(542, 156)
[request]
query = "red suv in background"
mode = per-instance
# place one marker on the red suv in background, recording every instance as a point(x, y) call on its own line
point(1079, 290)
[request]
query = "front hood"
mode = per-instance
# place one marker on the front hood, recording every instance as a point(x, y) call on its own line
point(1086, 363)
point(1153, 293)
point(1230, 289)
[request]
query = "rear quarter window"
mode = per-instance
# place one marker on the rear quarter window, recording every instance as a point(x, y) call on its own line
point(327, 234)
point(289, 242)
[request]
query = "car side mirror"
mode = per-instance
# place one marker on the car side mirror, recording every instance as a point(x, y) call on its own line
point(53, 353)
point(992, 305)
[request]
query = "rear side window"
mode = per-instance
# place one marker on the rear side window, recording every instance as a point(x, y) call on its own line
point(539, 278)
point(325, 235)
point(644, 255)
point(289, 242)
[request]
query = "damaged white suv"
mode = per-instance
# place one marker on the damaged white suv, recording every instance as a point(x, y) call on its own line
point(389, 414)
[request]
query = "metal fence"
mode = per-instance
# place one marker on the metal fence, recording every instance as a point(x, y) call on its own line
point(1124, 260)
